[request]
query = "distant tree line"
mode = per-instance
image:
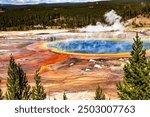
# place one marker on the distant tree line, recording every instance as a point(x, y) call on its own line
point(73, 16)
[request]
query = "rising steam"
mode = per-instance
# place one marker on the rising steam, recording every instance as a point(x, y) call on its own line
point(111, 18)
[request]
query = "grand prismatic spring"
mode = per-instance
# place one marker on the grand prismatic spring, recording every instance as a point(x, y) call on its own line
point(94, 46)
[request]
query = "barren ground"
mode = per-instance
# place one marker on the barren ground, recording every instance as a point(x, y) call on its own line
point(75, 75)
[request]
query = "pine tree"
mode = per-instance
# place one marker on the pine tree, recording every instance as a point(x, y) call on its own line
point(136, 83)
point(38, 91)
point(17, 83)
point(65, 97)
point(99, 95)
point(1, 95)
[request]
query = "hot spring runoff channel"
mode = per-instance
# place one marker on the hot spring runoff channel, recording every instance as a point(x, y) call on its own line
point(95, 46)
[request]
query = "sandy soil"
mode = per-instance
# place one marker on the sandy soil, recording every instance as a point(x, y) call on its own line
point(140, 19)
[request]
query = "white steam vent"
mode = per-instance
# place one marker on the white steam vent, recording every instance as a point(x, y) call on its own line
point(111, 18)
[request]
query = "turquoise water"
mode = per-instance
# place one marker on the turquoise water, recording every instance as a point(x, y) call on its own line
point(95, 46)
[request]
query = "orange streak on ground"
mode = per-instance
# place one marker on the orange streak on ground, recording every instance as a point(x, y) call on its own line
point(43, 69)
point(51, 60)
point(54, 59)
point(105, 56)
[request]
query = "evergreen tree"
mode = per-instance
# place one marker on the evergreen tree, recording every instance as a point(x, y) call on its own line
point(17, 83)
point(1, 95)
point(65, 97)
point(99, 95)
point(38, 91)
point(136, 83)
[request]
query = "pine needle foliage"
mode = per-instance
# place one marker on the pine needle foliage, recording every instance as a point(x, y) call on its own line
point(99, 95)
point(1, 95)
point(17, 83)
point(65, 97)
point(136, 82)
point(38, 91)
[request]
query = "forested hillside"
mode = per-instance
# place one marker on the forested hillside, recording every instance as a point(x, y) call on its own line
point(68, 15)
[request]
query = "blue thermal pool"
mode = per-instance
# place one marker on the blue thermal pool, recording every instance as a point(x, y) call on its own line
point(94, 46)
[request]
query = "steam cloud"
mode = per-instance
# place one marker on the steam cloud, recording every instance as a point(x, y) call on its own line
point(111, 18)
